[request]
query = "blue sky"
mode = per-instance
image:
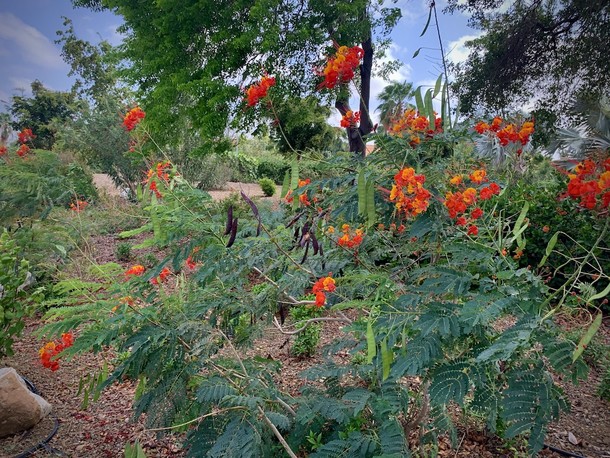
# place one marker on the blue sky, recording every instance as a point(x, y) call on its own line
point(28, 52)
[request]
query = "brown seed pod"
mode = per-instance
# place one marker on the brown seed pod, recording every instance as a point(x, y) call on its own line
point(233, 233)
point(229, 220)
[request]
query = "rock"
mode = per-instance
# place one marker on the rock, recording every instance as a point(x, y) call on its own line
point(19, 408)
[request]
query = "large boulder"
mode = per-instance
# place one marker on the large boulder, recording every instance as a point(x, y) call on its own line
point(20, 409)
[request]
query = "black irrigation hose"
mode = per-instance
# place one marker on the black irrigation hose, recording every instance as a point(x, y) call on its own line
point(43, 444)
point(562, 452)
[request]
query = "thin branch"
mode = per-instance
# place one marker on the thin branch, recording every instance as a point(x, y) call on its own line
point(277, 434)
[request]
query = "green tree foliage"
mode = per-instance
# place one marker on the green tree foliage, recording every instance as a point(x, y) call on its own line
point(41, 113)
point(93, 64)
point(394, 99)
point(302, 125)
point(535, 50)
point(191, 58)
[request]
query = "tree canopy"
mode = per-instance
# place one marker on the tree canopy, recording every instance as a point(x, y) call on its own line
point(192, 58)
point(548, 51)
point(40, 112)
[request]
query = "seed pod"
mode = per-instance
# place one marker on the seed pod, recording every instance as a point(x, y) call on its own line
point(255, 211)
point(229, 220)
point(305, 254)
point(296, 233)
point(295, 219)
point(233, 234)
point(314, 243)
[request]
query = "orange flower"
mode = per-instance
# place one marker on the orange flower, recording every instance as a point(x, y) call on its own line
point(324, 284)
point(590, 184)
point(23, 150)
point(136, 270)
point(52, 349)
point(259, 90)
point(3, 150)
point(166, 272)
point(350, 119)
point(456, 180)
point(340, 68)
point(349, 240)
point(133, 118)
point(153, 187)
point(304, 199)
point(409, 193)
point(478, 176)
point(25, 136)
point(476, 213)
point(79, 205)
point(473, 230)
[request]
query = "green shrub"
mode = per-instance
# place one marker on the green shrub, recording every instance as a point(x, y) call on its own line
point(14, 276)
point(150, 260)
point(123, 252)
point(32, 187)
point(308, 339)
point(268, 186)
point(273, 168)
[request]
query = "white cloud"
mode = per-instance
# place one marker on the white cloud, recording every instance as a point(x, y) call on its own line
point(457, 51)
point(29, 42)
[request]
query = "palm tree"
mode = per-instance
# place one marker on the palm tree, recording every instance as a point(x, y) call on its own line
point(5, 128)
point(591, 136)
point(394, 100)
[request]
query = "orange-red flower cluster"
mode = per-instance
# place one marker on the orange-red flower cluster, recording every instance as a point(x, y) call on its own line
point(350, 119)
point(133, 118)
point(350, 239)
point(51, 349)
point(259, 90)
point(506, 132)
point(303, 198)
point(161, 172)
point(23, 150)
point(190, 263)
point(3, 150)
point(136, 271)
point(416, 126)
point(591, 184)
point(409, 193)
point(162, 278)
point(460, 202)
point(79, 205)
point(25, 136)
point(341, 67)
point(322, 286)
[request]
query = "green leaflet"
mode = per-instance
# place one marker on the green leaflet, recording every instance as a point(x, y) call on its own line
point(520, 227)
point(586, 338)
point(549, 248)
point(370, 342)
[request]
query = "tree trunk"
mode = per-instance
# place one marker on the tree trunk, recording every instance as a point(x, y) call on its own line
point(356, 136)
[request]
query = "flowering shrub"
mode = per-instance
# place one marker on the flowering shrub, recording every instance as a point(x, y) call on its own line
point(321, 287)
point(51, 349)
point(25, 136)
point(350, 119)
point(461, 203)
point(409, 194)
point(349, 239)
point(507, 134)
point(415, 126)
point(591, 184)
point(133, 118)
point(78, 206)
point(340, 68)
point(258, 91)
